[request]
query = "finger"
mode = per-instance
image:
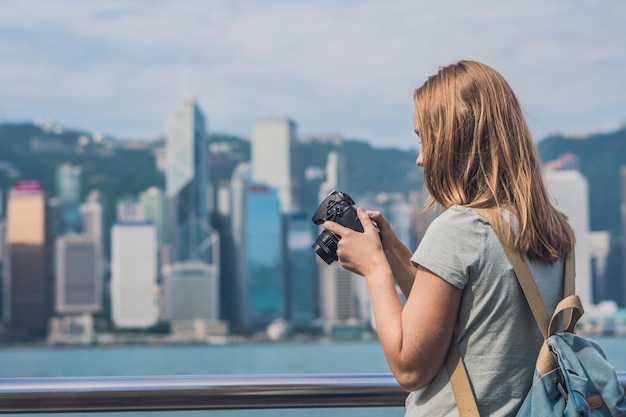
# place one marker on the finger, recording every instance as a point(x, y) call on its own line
point(336, 228)
point(365, 219)
point(378, 217)
point(373, 213)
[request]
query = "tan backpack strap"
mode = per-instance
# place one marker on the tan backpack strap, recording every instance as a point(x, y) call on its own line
point(569, 287)
point(465, 400)
point(573, 306)
point(570, 304)
point(521, 268)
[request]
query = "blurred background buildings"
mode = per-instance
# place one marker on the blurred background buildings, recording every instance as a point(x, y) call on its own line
point(221, 247)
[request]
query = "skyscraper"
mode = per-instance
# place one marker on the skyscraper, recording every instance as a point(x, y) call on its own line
point(260, 273)
point(68, 192)
point(27, 277)
point(233, 285)
point(622, 174)
point(134, 274)
point(302, 291)
point(94, 222)
point(569, 190)
point(153, 203)
point(273, 150)
point(187, 184)
point(78, 274)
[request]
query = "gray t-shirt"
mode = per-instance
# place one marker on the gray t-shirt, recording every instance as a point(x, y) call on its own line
point(497, 335)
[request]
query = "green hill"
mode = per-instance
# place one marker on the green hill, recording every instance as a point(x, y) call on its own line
point(33, 153)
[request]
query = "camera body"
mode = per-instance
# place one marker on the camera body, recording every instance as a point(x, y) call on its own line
point(338, 207)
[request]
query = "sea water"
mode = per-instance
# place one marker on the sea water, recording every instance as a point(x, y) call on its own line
point(252, 358)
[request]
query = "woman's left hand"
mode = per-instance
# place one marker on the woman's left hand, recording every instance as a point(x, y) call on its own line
point(358, 252)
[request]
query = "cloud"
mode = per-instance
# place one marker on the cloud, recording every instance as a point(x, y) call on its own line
point(348, 67)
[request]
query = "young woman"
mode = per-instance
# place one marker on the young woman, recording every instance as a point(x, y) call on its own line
point(476, 152)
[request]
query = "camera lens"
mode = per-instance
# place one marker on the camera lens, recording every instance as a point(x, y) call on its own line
point(325, 246)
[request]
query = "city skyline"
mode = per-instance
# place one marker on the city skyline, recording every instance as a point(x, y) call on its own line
point(347, 68)
point(345, 303)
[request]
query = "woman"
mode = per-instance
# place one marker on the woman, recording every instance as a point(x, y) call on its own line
point(476, 152)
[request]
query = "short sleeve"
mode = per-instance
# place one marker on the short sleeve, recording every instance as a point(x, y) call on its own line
point(452, 245)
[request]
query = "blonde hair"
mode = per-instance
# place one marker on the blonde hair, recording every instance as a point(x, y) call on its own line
point(478, 152)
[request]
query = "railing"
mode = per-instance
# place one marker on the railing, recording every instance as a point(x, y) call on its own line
point(159, 393)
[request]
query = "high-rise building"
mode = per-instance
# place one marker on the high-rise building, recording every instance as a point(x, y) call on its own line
point(273, 149)
point(128, 209)
point(261, 271)
point(302, 290)
point(622, 174)
point(191, 291)
point(223, 223)
point(153, 203)
point(569, 191)
point(78, 274)
point(68, 192)
point(600, 249)
point(187, 185)
point(337, 289)
point(134, 275)
point(94, 222)
point(27, 303)
point(233, 283)
point(68, 182)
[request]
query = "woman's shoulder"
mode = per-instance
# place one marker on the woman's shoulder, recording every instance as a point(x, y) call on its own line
point(453, 242)
point(458, 225)
point(460, 218)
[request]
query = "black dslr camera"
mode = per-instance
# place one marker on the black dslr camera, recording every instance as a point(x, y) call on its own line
point(339, 208)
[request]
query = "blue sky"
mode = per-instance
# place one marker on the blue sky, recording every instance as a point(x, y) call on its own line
point(335, 67)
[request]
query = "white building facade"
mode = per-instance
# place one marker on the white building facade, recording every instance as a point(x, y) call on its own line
point(134, 301)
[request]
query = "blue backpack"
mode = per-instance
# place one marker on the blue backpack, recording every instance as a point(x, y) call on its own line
point(583, 383)
point(572, 376)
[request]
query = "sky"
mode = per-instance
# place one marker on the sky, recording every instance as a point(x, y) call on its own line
point(348, 67)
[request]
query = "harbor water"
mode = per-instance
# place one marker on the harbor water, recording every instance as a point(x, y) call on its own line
point(252, 358)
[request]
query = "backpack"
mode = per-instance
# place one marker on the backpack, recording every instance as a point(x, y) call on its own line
point(572, 376)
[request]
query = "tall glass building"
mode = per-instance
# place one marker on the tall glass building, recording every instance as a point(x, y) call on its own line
point(302, 294)
point(153, 203)
point(264, 275)
point(187, 182)
point(68, 191)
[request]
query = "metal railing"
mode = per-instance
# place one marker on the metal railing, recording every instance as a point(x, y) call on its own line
point(223, 392)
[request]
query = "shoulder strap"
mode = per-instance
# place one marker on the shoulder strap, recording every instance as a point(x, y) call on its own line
point(522, 270)
point(461, 387)
point(459, 380)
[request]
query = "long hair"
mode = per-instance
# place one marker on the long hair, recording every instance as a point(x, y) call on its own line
point(478, 152)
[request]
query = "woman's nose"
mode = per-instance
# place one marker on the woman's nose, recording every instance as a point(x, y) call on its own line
point(420, 160)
